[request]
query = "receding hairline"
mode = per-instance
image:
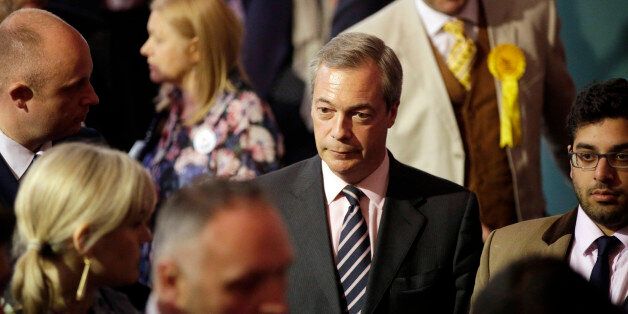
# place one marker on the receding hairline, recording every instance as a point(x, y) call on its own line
point(47, 25)
point(50, 41)
point(34, 18)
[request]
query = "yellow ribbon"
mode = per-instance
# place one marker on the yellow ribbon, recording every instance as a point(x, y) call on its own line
point(507, 64)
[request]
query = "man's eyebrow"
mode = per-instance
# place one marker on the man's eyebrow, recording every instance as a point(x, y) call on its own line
point(76, 82)
point(619, 147)
point(323, 100)
point(360, 106)
point(585, 146)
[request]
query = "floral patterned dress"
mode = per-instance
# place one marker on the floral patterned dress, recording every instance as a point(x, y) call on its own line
point(238, 139)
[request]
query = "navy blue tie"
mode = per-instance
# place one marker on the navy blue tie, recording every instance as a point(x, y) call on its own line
point(354, 253)
point(601, 274)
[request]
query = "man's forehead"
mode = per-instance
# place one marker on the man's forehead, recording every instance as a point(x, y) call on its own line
point(610, 133)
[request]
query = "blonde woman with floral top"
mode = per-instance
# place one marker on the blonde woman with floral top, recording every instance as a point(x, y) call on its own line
point(209, 120)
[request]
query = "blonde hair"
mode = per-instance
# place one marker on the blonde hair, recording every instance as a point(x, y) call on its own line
point(70, 186)
point(219, 35)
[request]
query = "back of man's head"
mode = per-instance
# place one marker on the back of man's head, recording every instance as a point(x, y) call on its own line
point(185, 213)
point(540, 285)
point(599, 101)
point(219, 246)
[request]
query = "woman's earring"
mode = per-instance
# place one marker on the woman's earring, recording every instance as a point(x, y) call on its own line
point(80, 292)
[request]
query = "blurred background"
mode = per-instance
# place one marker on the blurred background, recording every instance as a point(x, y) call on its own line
point(595, 34)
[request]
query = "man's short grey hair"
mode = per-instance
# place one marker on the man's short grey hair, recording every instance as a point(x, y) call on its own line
point(20, 53)
point(352, 50)
point(21, 48)
point(187, 211)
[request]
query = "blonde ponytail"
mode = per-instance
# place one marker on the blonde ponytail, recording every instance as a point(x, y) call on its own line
point(35, 283)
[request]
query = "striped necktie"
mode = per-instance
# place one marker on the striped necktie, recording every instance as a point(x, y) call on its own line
point(460, 58)
point(354, 253)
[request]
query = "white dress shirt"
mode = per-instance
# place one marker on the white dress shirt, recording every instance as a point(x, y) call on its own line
point(584, 254)
point(18, 157)
point(433, 22)
point(374, 188)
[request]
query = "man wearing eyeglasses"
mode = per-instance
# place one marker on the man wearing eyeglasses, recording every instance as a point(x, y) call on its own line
point(593, 238)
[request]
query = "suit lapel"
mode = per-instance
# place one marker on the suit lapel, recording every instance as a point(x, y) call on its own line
point(310, 216)
point(8, 185)
point(559, 235)
point(400, 226)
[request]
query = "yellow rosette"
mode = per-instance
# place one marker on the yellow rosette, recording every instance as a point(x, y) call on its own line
point(507, 63)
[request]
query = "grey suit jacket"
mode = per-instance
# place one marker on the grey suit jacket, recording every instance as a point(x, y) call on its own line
point(426, 254)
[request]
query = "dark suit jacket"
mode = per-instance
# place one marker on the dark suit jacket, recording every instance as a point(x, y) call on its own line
point(8, 182)
point(426, 255)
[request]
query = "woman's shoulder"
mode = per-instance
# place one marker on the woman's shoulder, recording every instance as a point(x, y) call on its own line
point(244, 92)
point(109, 301)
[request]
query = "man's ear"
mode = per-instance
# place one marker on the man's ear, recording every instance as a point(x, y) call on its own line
point(569, 147)
point(79, 238)
point(20, 94)
point(168, 283)
point(392, 114)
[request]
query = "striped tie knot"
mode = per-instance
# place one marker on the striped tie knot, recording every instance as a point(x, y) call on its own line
point(352, 194)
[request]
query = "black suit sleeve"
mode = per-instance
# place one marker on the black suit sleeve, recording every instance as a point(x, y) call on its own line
point(467, 256)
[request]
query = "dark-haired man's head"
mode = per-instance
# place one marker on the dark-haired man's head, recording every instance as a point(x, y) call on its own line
point(599, 101)
point(598, 126)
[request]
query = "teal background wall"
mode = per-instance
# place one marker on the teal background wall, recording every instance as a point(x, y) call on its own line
point(595, 35)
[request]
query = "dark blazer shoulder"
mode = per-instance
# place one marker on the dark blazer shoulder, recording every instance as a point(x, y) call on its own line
point(85, 135)
point(8, 185)
point(408, 179)
point(289, 174)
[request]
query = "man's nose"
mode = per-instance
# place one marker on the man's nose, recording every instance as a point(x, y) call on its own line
point(342, 127)
point(91, 99)
point(604, 172)
point(144, 49)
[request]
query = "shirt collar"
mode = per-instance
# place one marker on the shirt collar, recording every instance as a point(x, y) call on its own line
point(587, 232)
point(373, 186)
point(434, 20)
point(18, 157)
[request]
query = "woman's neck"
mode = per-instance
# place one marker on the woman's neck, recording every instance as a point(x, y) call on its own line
point(189, 101)
point(69, 277)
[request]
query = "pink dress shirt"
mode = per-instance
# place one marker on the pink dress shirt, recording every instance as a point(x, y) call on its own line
point(584, 254)
point(374, 187)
